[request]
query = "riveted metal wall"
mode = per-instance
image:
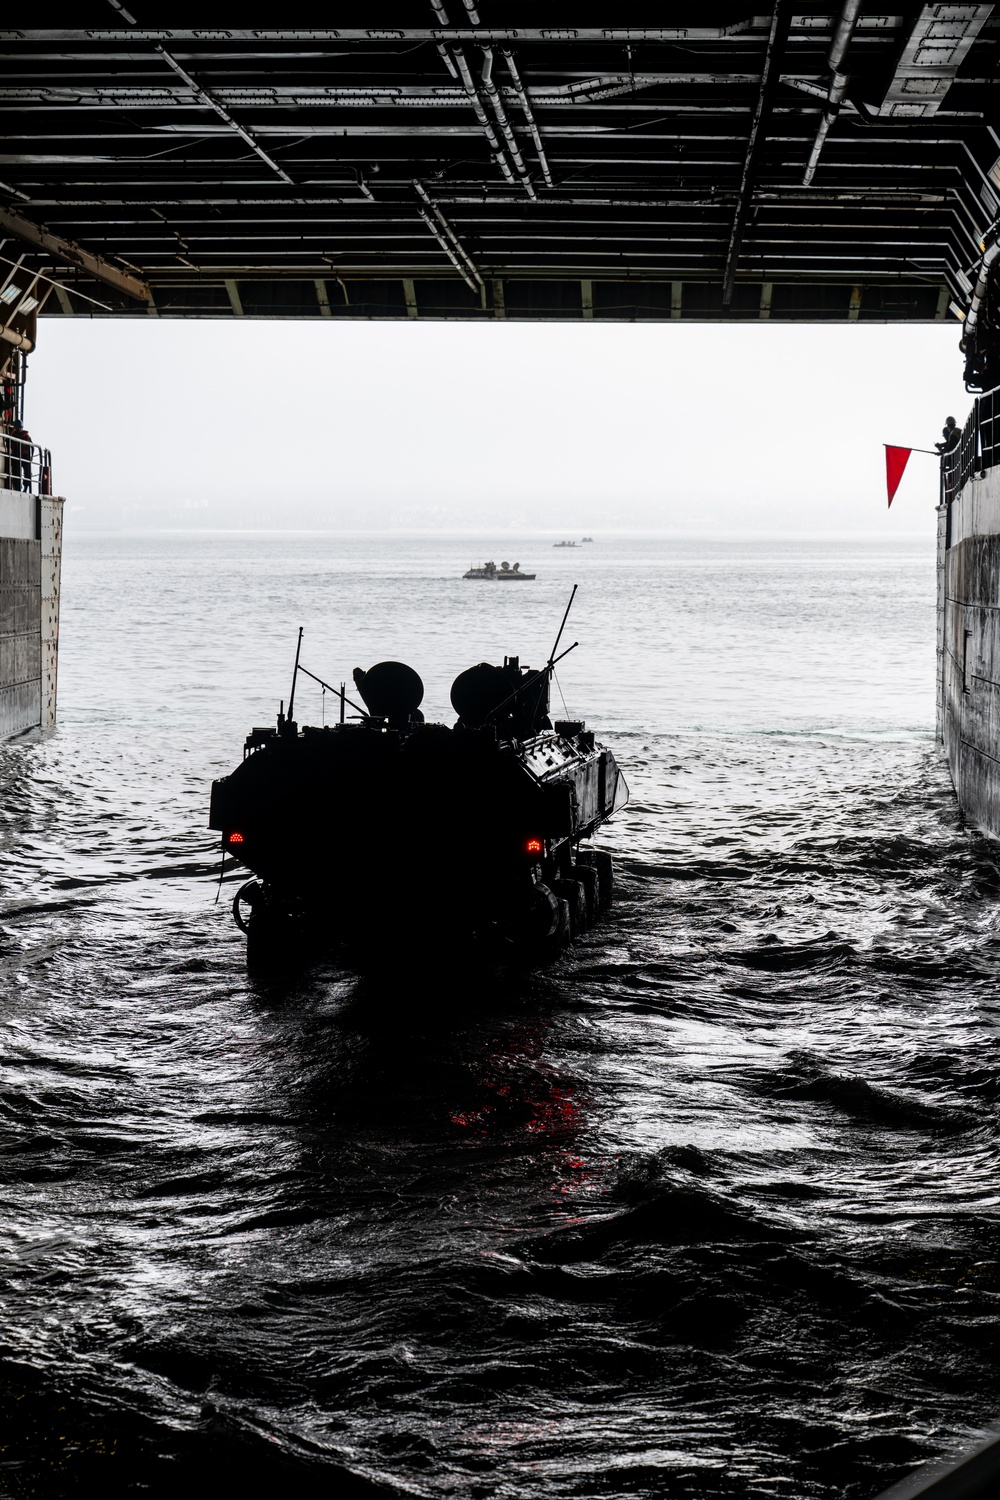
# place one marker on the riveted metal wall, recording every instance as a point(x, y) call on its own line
point(20, 634)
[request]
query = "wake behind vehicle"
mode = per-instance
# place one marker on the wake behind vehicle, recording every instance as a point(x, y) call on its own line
point(391, 837)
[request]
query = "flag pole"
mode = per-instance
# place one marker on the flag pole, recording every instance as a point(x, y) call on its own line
point(896, 459)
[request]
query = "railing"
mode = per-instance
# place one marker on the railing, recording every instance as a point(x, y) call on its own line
point(25, 465)
point(978, 448)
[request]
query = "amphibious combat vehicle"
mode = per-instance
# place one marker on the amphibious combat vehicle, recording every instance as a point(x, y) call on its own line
point(490, 573)
point(407, 842)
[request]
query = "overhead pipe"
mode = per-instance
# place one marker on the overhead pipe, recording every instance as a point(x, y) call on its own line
point(768, 84)
point(207, 97)
point(17, 339)
point(443, 52)
point(449, 241)
point(497, 104)
point(499, 156)
point(991, 249)
point(459, 267)
point(493, 94)
point(454, 61)
point(529, 115)
point(843, 32)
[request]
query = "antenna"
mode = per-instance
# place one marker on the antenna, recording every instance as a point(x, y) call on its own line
point(340, 694)
point(562, 627)
point(295, 673)
point(547, 669)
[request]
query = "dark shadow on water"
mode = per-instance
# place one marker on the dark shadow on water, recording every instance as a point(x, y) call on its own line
point(430, 1066)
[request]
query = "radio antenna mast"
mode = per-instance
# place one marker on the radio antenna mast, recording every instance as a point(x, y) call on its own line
point(295, 673)
point(562, 627)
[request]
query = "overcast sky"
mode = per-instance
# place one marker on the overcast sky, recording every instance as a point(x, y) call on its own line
point(753, 428)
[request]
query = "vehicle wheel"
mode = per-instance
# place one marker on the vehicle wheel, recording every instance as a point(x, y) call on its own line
point(591, 882)
point(559, 939)
point(573, 893)
point(248, 895)
point(601, 861)
point(550, 921)
point(605, 867)
point(274, 937)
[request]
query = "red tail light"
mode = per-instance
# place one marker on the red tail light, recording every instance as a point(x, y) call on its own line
point(235, 838)
point(533, 846)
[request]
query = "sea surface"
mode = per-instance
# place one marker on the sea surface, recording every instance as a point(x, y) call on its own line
point(709, 1209)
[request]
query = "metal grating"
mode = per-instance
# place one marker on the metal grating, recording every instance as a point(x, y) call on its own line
point(820, 162)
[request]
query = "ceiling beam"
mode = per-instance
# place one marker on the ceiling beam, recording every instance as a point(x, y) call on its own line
point(207, 97)
point(74, 255)
point(935, 50)
point(842, 35)
point(769, 78)
point(746, 31)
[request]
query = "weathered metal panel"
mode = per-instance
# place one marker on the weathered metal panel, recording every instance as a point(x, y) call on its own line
point(51, 567)
point(20, 622)
point(18, 609)
point(21, 656)
point(19, 707)
point(969, 649)
point(20, 563)
point(18, 515)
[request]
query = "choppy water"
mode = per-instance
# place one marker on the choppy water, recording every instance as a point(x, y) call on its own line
point(710, 1209)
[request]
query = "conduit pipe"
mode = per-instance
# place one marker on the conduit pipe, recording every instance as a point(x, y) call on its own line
point(477, 104)
point(207, 97)
point(493, 94)
point(529, 115)
point(457, 66)
point(843, 32)
point(990, 254)
point(17, 339)
point(448, 251)
point(443, 53)
point(449, 241)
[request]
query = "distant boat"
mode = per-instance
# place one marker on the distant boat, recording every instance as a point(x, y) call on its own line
point(588, 539)
point(564, 544)
point(504, 574)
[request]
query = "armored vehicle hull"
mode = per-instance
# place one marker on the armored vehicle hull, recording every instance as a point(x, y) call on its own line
point(390, 837)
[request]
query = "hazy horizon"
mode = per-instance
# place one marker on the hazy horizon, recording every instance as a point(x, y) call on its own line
point(687, 429)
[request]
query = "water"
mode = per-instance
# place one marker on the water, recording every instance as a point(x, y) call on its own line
point(709, 1209)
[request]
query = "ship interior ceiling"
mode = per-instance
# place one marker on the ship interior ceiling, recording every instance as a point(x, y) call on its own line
point(496, 160)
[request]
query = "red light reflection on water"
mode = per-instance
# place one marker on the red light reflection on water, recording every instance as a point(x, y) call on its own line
point(527, 1100)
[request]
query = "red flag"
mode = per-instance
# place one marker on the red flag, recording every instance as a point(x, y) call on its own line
point(895, 463)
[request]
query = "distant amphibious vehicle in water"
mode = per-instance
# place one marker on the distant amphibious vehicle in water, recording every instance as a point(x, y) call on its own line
point(395, 839)
point(504, 574)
